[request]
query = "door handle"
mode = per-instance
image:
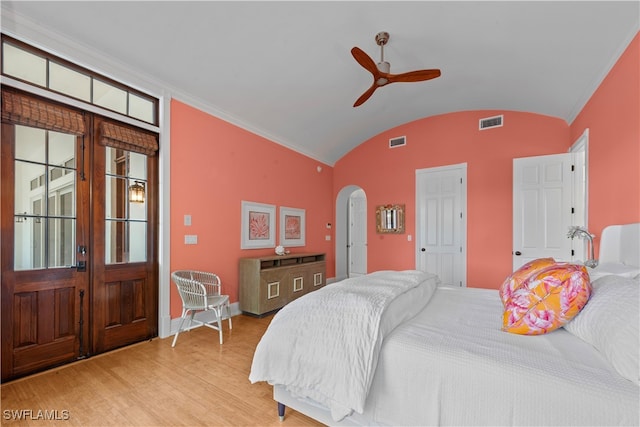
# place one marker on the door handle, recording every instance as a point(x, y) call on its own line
point(82, 265)
point(517, 253)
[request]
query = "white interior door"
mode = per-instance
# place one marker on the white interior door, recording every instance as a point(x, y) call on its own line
point(542, 211)
point(441, 223)
point(357, 250)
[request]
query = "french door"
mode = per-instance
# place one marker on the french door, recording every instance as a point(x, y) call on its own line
point(124, 238)
point(78, 255)
point(44, 220)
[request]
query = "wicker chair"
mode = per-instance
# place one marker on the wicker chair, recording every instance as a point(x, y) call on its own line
point(200, 291)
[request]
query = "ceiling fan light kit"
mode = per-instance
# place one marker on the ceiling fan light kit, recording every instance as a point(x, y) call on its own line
point(381, 71)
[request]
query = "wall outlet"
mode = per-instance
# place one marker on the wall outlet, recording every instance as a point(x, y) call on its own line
point(327, 237)
point(190, 239)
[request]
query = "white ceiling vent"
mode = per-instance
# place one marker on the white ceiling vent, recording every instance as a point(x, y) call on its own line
point(397, 142)
point(491, 122)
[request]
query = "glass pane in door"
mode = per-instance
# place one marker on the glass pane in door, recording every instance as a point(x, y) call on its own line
point(137, 241)
point(31, 144)
point(61, 237)
point(126, 216)
point(28, 227)
point(45, 199)
point(115, 203)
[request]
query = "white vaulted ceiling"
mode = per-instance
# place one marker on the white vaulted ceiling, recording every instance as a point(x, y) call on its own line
point(284, 70)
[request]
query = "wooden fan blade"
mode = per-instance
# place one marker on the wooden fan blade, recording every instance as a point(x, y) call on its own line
point(365, 60)
point(414, 76)
point(366, 95)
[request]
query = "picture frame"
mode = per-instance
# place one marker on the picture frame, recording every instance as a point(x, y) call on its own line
point(258, 228)
point(292, 227)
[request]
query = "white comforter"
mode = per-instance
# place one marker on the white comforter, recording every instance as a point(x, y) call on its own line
point(325, 345)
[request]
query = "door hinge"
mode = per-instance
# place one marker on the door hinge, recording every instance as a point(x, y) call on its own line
point(572, 252)
point(573, 210)
point(573, 168)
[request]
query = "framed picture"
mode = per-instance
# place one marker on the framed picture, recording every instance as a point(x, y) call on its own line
point(292, 227)
point(258, 226)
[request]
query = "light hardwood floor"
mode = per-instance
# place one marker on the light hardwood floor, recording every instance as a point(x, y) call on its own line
point(197, 383)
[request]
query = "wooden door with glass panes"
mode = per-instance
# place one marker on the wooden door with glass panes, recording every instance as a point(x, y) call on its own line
point(124, 291)
point(78, 254)
point(45, 226)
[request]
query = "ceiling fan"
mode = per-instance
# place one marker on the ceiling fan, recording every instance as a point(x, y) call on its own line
point(380, 72)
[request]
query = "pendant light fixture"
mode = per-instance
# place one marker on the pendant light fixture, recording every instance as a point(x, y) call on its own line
point(136, 192)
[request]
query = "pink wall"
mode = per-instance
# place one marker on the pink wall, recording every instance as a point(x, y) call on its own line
point(388, 176)
point(214, 166)
point(613, 118)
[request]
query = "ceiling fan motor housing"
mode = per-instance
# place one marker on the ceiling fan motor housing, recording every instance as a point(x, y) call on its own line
point(382, 38)
point(383, 67)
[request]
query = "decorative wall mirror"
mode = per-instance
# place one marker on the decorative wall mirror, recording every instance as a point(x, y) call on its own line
point(390, 219)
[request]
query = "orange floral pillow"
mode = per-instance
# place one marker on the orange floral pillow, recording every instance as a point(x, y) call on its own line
point(520, 275)
point(543, 295)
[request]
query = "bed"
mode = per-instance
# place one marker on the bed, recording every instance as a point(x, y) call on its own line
point(418, 353)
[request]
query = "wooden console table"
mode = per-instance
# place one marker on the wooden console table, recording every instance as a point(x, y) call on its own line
point(268, 283)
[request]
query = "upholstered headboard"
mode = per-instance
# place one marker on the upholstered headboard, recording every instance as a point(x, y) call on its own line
point(620, 244)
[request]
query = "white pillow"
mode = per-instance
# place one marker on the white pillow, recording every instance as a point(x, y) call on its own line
point(610, 322)
point(607, 268)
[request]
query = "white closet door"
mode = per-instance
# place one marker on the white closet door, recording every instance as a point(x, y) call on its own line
point(542, 194)
point(441, 223)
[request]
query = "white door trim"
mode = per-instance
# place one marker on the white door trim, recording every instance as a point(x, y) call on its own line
point(580, 195)
point(581, 145)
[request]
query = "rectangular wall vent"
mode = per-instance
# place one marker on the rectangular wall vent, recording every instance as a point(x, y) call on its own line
point(491, 122)
point(397, 142)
